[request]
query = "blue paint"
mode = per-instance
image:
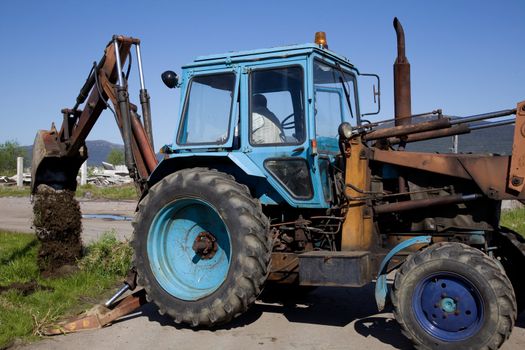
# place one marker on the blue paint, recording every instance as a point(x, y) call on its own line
point(250, 158)
point(177, 268)
point(448, 307)
point(381, 289)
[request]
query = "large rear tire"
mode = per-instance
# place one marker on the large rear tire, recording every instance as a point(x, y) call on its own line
point(202, 247)
point(453, 296)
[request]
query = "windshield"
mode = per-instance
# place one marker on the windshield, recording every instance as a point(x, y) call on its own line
point(206, 116)
point(335, 99)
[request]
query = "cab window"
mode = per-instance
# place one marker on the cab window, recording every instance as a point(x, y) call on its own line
point(331, 105)
point(206, 115)
point(277, 106)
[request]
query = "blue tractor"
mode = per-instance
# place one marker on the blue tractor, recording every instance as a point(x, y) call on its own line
point(275, 176)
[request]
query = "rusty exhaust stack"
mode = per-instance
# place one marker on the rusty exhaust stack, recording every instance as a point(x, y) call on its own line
point(402, 97)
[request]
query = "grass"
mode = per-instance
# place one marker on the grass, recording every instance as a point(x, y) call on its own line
point(13, 191)
point(122, 192)
point(104, 265)
point(515, 220)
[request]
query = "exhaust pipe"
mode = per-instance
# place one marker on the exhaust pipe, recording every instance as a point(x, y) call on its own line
point(402, 97)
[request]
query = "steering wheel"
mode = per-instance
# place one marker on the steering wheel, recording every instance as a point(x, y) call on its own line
point(287, 123)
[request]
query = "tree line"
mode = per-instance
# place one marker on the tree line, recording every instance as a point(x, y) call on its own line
point(9, 151)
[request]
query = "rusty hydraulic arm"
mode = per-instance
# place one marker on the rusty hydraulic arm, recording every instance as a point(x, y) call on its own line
point(58, 154)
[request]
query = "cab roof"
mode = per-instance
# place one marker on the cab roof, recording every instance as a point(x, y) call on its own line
point(261, 54)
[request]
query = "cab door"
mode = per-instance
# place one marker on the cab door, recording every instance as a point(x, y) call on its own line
point(335, 101)
point(275, 133)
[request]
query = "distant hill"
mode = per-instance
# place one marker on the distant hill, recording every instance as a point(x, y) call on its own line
point(492, 140)
point(98, 151)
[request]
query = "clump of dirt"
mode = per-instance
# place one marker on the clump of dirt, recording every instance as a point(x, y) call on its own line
point(57, 223)
point(25, 288)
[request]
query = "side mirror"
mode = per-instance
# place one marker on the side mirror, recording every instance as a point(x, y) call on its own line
point(375, 93)
point(170, 79)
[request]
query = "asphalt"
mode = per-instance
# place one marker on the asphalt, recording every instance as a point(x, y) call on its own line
point(327, 318)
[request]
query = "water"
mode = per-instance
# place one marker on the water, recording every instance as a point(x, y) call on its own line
point(107, 217)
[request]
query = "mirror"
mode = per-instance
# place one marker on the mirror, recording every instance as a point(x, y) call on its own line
point(376, 93)
point(170, 79)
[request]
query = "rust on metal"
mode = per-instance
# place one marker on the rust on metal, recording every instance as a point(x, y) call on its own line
point(444, 164)
point(57, 156)
point(423, 203)
point(489, 172)
point(357, 226)
point(99, 316)
point(205, 245)
point(517, 163)
point(402, 97)
point(403, 130)
point(285, 268)
point(433, 134)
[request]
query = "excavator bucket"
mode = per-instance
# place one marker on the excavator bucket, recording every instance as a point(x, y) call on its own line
point(51, 164)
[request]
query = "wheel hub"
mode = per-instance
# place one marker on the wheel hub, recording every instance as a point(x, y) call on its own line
point(448, 304)
point(205, 245)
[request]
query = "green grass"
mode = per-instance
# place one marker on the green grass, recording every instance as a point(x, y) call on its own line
point(13, 191)
point(104, 265)
point(515, 220)
point(122, 192)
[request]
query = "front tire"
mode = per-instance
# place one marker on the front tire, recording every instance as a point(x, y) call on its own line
point(453, 296)
point(202, 247)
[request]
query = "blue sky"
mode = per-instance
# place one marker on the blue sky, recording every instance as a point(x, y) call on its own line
point(467, 57)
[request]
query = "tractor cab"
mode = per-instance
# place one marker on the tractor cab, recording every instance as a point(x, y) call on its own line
point(274, 113)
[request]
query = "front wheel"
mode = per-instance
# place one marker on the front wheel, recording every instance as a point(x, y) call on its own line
point(202, 248)
point(453, 296)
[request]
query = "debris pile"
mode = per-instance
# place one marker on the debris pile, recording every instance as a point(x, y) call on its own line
point(109, 175)
point(57, 224)
point(11, 180)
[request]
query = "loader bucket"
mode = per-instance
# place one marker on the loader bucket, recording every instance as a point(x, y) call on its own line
point(52, 165)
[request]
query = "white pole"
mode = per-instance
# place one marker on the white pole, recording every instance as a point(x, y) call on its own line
point(455, 143)
point(83, 174)
point(20, 171)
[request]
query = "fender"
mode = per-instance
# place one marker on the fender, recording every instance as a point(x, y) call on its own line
point(381, 289)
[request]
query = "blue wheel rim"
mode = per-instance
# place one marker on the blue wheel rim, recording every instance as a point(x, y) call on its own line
point(179, 270)
point(448, 306)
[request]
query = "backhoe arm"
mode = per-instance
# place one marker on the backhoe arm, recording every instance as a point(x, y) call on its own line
point(58, 154)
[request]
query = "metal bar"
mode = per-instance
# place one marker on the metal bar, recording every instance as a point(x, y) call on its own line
point(493, 125)
point(403, 130)
point(426, 114)
point(483, 116)
point(145, 148)
point(433, 134)
point(402, 95)
point(517, 167)
point(139, 62)
point(119, 65)
point(422, 203)
point(117, 295)
point(144, 99)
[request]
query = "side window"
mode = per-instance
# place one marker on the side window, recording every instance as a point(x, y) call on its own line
point(206, 116)
point(277, 106)
point(331, 84)
point(328, 112)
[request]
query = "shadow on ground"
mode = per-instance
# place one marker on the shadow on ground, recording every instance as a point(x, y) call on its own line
point(336, 307)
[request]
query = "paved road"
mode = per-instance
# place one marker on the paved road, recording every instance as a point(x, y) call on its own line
point(16, 215)
point(328, 318)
